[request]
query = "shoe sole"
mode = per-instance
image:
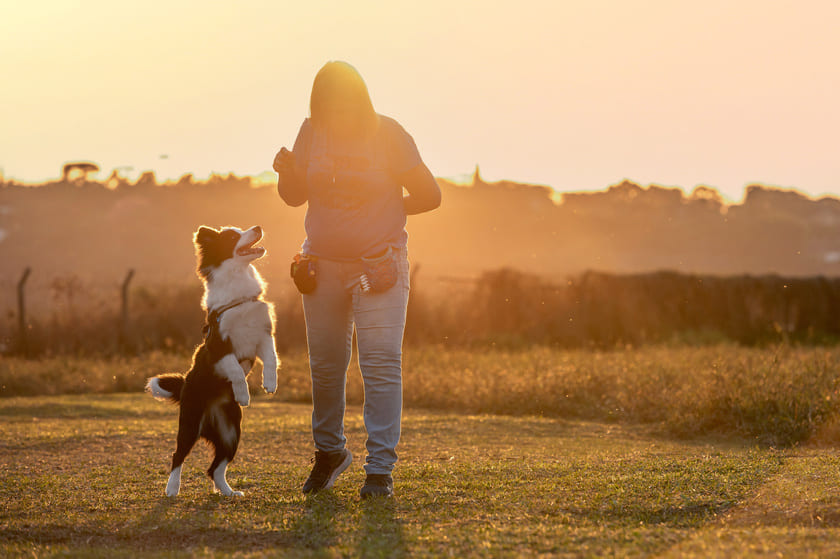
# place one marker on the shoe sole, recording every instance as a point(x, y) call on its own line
point(348, 459)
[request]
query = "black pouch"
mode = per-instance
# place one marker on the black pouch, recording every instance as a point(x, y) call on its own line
point(380, 272)
point(303, 272)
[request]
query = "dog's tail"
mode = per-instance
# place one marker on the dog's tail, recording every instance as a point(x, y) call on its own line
point(166, 386)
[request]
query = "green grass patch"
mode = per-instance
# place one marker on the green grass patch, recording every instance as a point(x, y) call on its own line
point(85, 475)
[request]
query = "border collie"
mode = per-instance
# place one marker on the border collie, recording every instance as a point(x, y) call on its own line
point(239, 329)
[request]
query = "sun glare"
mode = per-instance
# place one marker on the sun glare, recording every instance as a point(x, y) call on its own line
point(574, 96)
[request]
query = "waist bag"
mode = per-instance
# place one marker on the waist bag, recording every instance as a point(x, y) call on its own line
point(379, 272)
point(304, 272)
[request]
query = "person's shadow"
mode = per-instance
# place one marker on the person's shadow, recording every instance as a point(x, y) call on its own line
point(315, 527)
point(381, 530)
point(379, 533)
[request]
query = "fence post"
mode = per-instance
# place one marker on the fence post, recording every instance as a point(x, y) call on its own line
point(22, 333)
point(124, 310)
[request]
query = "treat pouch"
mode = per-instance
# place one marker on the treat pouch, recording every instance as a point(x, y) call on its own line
point(304, 272)
point(379, 272)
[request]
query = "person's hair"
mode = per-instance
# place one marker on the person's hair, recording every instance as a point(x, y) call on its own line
point(339, 80)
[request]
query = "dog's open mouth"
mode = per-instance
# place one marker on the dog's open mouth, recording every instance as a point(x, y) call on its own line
point(250, 249)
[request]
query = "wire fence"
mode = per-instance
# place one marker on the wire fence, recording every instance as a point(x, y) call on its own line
point(68, 315)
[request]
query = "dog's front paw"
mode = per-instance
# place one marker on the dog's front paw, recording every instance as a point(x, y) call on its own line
point(270, 384)
point(244, 400)
point(241, 394)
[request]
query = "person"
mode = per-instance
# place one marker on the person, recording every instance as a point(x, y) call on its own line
point(360, 174)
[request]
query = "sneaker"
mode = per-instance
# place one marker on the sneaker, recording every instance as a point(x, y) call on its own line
point(328, 466)
point(377, 485)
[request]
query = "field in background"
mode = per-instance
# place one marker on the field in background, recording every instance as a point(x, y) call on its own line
point(780, 395)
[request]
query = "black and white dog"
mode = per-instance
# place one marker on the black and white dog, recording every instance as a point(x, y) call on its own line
point(240, 328)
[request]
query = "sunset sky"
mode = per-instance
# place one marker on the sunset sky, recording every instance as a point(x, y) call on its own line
point(574, 95)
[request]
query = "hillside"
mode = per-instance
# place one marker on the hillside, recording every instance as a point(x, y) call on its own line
point(86, 230)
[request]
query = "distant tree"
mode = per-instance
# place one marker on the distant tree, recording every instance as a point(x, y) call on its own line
point(662, 196)
point(146, 180)
point(476, 178)
point(229, 181)
point(625, 191)
point(186, 180)
point(707, 197)
point(78, 171)
point(116, 181)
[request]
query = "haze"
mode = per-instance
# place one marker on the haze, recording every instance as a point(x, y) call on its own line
point(576, 96)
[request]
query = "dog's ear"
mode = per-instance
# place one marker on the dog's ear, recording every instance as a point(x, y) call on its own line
point(204, 234)
point(203, 241)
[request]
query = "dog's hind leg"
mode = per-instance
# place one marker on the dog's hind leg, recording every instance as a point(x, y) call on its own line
point(173, 486)
point(189, 425)
point(223, 432)
point(220, 481)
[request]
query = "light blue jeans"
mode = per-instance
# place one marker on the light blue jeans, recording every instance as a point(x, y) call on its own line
point(332, 310)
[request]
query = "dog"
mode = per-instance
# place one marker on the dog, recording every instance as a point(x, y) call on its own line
point(239, 329)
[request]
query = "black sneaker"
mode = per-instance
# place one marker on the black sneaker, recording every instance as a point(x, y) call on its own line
point(328, 466)
point(377, 485)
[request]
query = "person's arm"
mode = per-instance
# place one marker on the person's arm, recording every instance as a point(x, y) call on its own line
point(409, 171)
point(291, 180)
point(291, 168)
point(423, 190)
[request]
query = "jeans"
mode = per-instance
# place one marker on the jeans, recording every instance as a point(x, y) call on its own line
point(332, 310)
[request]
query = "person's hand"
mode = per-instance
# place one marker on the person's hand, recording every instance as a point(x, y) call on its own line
point(291, 182)
point(284, 162)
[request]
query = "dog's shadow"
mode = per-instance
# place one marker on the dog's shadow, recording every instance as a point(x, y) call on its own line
point(316, 526)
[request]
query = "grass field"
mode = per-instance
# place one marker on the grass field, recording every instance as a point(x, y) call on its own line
point(780, 395)
point(83, 475)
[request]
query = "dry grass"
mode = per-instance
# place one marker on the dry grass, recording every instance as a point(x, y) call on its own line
point(781, 395)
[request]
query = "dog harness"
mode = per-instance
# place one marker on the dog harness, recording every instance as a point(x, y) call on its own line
point(214, 317)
